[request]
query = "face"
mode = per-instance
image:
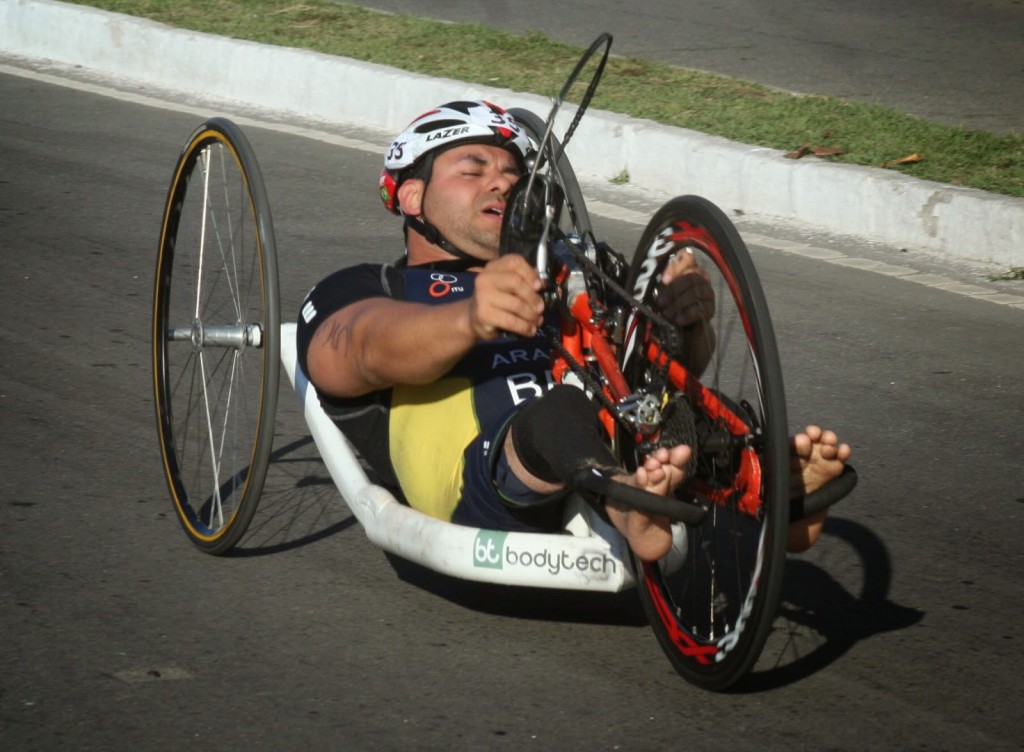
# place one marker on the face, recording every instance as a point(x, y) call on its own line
point(465, 198)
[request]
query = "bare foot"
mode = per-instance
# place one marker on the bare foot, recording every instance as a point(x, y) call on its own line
point(650, 535)
point(816, 457)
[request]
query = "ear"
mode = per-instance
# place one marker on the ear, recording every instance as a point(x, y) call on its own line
point(410, 196)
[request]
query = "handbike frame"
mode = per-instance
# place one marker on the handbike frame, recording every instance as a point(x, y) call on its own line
point(586, 338)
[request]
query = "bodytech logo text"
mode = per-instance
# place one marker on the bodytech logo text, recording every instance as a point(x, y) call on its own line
point(491, 552)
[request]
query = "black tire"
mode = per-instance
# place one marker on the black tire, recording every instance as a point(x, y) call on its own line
point(216, 336)
point(712, 606)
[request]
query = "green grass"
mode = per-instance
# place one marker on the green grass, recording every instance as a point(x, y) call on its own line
point(738, 110)
point(1013, 274)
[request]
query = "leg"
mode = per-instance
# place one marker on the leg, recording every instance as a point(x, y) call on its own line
point(555, 434)
point(650, 536)
point(551, 437)
point(816, 457)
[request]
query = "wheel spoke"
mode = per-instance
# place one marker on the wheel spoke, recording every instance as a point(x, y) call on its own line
point(217, 512)
point(205, 168)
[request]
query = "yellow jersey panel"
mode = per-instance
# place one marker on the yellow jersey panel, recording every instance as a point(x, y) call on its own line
point(430, 427)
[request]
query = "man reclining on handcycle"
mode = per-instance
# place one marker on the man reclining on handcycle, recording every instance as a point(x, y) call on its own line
point(414, 360)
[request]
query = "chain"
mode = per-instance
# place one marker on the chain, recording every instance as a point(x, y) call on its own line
point(584, 374)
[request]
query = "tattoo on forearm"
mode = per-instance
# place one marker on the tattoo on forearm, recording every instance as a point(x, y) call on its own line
point(338, 337)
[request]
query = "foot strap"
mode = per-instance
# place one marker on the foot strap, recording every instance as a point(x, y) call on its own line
point(834, 491)
point(600, 482)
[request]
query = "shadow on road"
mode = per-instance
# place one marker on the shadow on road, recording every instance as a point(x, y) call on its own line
point(299, 505)
point(834, 597)
point(572, 606)
point(830, 602)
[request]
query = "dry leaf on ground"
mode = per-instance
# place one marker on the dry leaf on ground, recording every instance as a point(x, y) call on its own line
point(818, 151)
point(909, 159)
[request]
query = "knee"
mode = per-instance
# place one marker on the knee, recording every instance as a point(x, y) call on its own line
point(555, 434)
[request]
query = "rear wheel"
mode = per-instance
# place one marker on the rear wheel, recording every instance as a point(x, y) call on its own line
point(712, 601)
point(216, 336)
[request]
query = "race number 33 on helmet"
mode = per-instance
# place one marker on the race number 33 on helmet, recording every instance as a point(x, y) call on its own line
point(449, 125)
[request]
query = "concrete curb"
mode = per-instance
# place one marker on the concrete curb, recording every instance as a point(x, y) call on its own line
point(844, 199)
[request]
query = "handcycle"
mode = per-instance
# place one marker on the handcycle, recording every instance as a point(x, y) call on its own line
point(218, 338)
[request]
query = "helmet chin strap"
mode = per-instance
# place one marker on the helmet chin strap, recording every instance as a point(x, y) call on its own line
point(434, 236)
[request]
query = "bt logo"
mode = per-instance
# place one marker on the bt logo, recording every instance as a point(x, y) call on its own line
point(488, 549)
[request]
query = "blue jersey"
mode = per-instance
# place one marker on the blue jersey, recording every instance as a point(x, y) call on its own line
point(414, 436)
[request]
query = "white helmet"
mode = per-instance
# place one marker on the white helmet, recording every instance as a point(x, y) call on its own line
point(449, 125)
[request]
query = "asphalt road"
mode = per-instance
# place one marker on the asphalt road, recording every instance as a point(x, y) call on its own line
point(901, 630)
point(959, 62)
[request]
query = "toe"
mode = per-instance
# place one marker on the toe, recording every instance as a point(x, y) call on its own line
point(802, 445)
point(679, 456)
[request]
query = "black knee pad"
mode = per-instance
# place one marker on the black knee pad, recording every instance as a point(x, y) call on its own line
point(557, 434)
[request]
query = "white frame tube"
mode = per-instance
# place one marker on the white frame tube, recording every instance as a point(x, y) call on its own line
point(593, 557)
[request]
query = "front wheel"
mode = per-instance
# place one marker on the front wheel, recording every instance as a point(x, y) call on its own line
point(712, 601)
point(216, 336)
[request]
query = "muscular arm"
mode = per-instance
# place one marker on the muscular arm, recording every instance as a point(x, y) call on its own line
point(379, 342)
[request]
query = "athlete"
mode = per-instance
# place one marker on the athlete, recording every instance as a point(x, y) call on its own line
point(435, 370)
